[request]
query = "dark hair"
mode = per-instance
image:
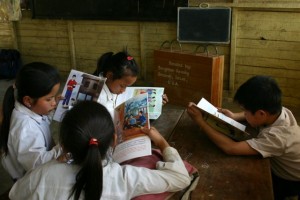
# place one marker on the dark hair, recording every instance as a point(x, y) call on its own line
point(259, 93)
point(84, 121)
point(120, 64)
point(34, 80)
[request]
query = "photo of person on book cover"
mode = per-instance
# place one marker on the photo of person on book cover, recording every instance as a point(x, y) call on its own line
point(70, 86)
point(131, 116)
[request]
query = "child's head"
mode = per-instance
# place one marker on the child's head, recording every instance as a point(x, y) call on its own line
point(259, 93)
point(36, 86)
point(87, 131)
point(120, 69)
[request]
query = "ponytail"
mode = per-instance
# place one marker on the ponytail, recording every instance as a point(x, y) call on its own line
point(7, 108)
point(87, 131)
point(102, 64)
point(90, 176)
point(120, 64)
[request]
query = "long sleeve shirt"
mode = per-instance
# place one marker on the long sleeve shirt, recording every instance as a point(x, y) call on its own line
point(54, 180)
point(30, 143)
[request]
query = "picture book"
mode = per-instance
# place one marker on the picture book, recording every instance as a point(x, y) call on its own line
point(222, 123)
point(79, 86)
point(154, 98)
point(129, 117)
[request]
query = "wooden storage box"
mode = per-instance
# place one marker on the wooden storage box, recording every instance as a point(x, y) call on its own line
point(189, 76)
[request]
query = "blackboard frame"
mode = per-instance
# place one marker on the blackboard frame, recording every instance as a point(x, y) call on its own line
point(204, 25)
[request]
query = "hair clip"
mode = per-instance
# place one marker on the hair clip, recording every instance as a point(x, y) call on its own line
point(93, 141)
point(129, 58)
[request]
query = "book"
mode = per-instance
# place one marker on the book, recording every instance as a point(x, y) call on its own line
point(129, 117)
point(154, 98)
point(80, 86)
point(222, 123)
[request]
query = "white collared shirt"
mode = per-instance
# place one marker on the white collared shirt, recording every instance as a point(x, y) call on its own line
point(55, 180)
point(29, 142)
point(108, 99)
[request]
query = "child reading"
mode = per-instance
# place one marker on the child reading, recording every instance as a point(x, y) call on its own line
point(279, 133)
point(121, 71)
point(25, 139)
point(84, 172)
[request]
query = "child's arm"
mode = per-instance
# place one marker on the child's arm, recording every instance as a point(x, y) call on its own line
point(225, 143)
point(156, 137)
point(236, 116)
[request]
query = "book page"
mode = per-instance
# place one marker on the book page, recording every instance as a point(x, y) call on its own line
point(129, 117)
point(79, 86)
point(154, 98)
point(211, 109)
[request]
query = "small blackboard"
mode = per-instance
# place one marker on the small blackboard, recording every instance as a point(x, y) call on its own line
point(204, 25)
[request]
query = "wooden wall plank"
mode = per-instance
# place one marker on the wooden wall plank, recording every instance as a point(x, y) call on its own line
point(265, 40)
point(268, 62)
point(268, 44)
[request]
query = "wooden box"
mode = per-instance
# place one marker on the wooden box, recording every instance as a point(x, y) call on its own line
point(187, 77)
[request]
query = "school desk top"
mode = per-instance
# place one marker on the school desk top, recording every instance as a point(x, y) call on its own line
point(221, 176)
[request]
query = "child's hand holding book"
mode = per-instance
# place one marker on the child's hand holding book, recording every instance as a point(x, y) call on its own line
point(194, 112)
point(156, 138)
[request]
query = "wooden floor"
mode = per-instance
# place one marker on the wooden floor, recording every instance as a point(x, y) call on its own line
point(6, 183)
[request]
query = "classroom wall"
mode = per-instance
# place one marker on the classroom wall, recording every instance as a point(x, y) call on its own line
point(265, 40)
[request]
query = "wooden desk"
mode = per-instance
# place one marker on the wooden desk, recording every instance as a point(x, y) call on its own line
point(221, 176)
point(168, 120)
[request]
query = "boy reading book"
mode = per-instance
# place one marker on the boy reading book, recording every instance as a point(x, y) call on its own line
point(279, 133)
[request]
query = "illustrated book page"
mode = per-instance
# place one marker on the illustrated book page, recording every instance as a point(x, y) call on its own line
point(222, 123)
point(154, 98)
point(129, 117)
point(79, 86)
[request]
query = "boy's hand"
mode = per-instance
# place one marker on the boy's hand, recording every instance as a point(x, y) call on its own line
point(156, 137)
point(194, 112)
point(226, 112)
point(236, 116)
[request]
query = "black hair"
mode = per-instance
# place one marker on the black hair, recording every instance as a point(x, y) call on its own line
point(120, 64)
point(259, 93)
point(84, 121)
point(34, 80)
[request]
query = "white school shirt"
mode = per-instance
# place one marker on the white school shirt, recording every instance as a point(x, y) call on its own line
point(29, 142)
point(54, 180)
point(281, 142)
point(110, 100)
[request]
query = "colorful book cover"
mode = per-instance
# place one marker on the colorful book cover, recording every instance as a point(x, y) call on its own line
point(79, 86)
point(129, 117)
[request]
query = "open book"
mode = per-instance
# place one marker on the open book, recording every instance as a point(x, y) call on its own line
point(129, 117)
point(154, 98)
point(79, 86)
point(222, 123)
